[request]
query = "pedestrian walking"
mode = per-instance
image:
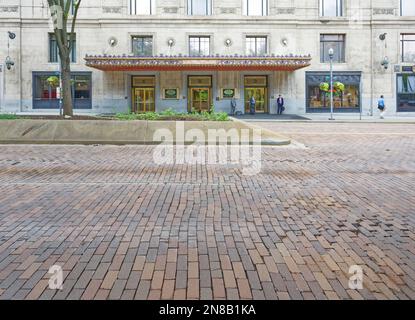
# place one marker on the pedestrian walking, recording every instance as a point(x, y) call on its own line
point(233, 106)
point(280, 103)
point(382, 107)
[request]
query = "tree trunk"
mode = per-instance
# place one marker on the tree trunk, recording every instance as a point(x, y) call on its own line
point(66, 90)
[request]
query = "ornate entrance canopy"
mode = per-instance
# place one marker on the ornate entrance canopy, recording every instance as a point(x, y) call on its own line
point(204, 63)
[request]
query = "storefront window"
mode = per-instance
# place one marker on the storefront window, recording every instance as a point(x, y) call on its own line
point(406, 93)
point(347, 101)
point(45, 96)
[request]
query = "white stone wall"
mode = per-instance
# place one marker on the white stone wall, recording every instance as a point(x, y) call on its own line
point(297, 21)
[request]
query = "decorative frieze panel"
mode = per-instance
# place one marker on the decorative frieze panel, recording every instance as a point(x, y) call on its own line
point(171, 10)
point(285, 11)
point(9, 9)
point(384, 11)
point(227, 10)
point(117, 10)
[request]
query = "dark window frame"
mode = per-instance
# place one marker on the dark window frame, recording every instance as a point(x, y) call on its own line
point(402, 36)
point(79, 104)
point(256, 44)
point(208, 8)
point(322, 47)
point(398, 99)
point(142, 37)
point(339, 8)
point(134, 4)
point(54, 50)
point(199, 38)
point(264, 14)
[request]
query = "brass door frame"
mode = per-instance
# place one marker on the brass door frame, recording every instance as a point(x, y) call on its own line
point(199, 109)
point(143, 87)
point(201, 87)
point(247, 106)
point(252, 87)
point(134, 107)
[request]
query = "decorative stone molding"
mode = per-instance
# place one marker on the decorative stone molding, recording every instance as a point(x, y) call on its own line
point(228, 10)
point(285, 10)
point(9, 9)
point(384, 11)
point(112, 10)
point(171, 10)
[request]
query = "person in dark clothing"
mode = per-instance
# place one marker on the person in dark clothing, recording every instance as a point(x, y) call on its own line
point(233, 106)
point(252, 105)
point(280, 103)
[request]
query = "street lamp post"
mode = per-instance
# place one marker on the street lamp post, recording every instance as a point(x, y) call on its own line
point(331, 55)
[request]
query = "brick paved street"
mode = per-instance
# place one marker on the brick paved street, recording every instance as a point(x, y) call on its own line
point(123, 227)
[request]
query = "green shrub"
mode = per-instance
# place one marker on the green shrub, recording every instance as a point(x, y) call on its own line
point(8, 117)
point(173, 115)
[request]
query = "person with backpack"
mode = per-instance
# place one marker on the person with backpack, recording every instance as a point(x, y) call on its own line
point(382, 106)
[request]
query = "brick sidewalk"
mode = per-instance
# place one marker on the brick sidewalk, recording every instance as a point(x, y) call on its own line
point(123, 227)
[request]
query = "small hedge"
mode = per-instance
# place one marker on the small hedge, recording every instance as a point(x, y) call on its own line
point(8, 117)
point(172, 115)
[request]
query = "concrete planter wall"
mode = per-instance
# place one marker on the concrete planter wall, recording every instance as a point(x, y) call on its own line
point(114, 131)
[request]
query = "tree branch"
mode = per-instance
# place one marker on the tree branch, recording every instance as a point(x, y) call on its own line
point(75, 16)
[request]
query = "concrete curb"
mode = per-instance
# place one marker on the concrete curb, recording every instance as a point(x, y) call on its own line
point(267, 135)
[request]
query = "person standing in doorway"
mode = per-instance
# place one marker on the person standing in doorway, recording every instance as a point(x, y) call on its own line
point(382, 107)
point(233, 106)
point(252, 105)
point(280, 103)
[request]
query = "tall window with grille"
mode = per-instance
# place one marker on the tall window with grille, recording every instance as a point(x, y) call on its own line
point(53, 49)
point(335, 41)
point(256, 46)
point(141, 7)
point(255, 7)
point(199, 7)
point(408, 8)
point(331, 8)
point(142, 46)
point(199, 45)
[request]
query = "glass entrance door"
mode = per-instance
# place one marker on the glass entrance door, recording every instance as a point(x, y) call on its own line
point(260, 95)
point(143, 100)
point(200, 99)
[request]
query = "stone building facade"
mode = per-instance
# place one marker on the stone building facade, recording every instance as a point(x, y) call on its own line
point(145, 55)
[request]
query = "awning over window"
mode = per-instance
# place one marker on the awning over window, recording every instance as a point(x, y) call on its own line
point(204, 63)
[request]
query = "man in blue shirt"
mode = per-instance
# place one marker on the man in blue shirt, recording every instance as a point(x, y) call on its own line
point(381, 106)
